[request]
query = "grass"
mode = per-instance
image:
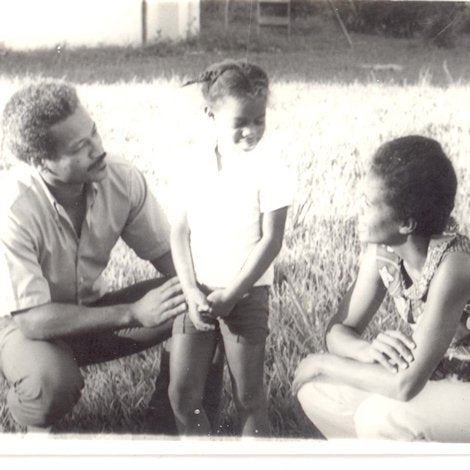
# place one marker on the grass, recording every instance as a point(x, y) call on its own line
point(326, 115)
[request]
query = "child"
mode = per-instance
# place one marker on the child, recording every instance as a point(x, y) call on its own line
point(400, 387)
point(223, 243)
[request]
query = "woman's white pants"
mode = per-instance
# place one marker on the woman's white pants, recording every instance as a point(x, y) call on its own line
point(439, 413)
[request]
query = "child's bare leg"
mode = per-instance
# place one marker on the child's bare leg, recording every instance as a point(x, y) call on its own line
point(246, 366)
point(190, 359)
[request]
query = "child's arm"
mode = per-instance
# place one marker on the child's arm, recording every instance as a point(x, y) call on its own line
point(273, 224)
point(449, 291)
point(182, 259)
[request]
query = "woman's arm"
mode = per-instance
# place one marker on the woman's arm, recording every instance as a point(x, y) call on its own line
point(359, 305)
point(448, 293)
point(262, 255)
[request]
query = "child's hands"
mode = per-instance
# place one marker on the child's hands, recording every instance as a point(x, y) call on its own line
point(221, 304)
point(199, 309)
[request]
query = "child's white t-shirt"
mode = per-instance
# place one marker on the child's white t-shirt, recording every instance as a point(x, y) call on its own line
point(224, 208)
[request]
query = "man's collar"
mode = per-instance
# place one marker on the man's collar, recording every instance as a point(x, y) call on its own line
point(91, 189)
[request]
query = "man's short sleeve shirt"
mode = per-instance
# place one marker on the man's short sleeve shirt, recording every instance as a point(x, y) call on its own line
point(41, 258)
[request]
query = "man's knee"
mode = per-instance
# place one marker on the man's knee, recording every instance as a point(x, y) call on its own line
point(41, 398)
point(380, 417)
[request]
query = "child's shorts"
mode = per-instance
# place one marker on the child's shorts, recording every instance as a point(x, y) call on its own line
point(247, 322)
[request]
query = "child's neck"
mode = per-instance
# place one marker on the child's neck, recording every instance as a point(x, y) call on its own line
point(414, 253)
point(226, 156)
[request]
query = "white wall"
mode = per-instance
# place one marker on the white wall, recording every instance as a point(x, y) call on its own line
point(172, 19)
point(30, 24)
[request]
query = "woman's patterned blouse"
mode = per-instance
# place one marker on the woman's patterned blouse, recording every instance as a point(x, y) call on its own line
point(410, 299)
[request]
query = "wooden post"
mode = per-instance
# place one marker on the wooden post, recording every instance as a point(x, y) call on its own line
point(341, 24)
point(144, 22)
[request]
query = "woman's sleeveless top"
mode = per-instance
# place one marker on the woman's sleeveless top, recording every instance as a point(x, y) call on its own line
point(411, 300)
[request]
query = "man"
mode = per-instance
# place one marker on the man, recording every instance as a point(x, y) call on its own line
point(67, 206)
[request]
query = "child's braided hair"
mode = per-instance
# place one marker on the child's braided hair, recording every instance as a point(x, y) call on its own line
point(238, 79)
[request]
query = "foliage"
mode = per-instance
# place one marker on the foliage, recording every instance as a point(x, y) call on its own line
point(437, 22)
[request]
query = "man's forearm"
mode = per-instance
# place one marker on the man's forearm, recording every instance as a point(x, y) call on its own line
point(56, 320)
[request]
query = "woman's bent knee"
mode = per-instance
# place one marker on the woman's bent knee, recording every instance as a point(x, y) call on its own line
point(380, 417)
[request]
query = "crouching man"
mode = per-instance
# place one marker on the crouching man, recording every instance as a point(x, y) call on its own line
point(67, 204)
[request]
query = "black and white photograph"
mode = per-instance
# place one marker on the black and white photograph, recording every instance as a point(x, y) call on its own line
point(235, 227)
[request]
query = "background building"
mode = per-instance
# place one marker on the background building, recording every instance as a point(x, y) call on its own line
point(33, 24)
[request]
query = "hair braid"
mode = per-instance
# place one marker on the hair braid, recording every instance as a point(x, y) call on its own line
point(231, 78)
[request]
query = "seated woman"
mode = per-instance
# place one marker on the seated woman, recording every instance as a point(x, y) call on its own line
point(397, 386)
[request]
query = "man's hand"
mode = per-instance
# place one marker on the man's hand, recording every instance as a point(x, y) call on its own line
point(159, 304)
point(199, 309)
point(392, 349)
point(221, 304)
point(307, 370)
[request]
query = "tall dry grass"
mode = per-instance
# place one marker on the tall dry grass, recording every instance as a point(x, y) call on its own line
point(326, 133)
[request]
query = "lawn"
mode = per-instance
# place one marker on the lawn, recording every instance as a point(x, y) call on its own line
point(329, 108)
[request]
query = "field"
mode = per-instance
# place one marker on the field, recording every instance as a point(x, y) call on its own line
point(329, 109)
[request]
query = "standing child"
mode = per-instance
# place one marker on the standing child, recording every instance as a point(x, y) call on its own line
point(224, 240)
point(397, 386)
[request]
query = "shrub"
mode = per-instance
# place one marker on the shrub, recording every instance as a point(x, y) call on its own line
point(437, 22)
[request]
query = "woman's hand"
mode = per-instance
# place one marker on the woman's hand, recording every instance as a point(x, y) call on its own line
point(392, 349)
point(199, 309)
point(220, 303)
point(307, 370)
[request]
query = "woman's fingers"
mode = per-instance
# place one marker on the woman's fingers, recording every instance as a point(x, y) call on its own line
point(380, 358)
point(390, 352)
point(405, 340)
point(391, 345)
